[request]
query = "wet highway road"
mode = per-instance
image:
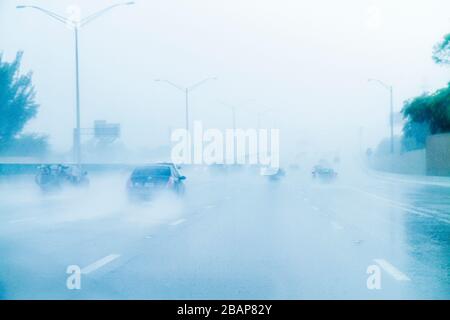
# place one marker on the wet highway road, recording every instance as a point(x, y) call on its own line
point(234, 235)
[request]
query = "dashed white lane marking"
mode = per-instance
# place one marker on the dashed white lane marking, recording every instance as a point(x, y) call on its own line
point(336, 225)
point(22, 220)
point(393, 271)
point(177, 222)
point(99, 263)
point(315, 208)
point(210, 206)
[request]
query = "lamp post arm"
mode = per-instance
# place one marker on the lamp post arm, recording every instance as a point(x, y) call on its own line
point(388, 87)
point(97, 14)
point(172, 84)
point(200, 83)
point(47, 12)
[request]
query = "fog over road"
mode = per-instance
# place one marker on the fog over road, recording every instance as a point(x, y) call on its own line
point(234, 235)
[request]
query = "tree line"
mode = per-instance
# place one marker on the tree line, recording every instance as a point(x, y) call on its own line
point(17, 107)
point(430, 112)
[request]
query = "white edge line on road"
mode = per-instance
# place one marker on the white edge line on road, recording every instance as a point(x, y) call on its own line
point(336, 225)
point(177, 222)
point(402, 206)
point(407, 180)
point(99, 263)
point(22, 220)
point(393, 271)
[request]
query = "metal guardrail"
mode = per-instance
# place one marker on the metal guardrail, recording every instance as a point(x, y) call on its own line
point(30, 168)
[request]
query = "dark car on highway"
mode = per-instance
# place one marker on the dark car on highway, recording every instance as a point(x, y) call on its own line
point(324, 172)
point(146, 181)
point(55, 176)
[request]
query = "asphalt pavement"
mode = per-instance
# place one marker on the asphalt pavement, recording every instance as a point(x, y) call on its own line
point(233, 235)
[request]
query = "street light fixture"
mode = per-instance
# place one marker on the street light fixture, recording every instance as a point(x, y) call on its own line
point(391, 119)
point(76, 26)
point(186, 91)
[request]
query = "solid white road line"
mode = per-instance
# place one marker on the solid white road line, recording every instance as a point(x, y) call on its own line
point(393, 271)
point(409, 180)
point(22, 220)
point(177, 222)
point(405, 207)
point(99, 263)
point(336, 225)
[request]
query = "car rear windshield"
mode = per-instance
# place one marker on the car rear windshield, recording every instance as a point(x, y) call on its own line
point(157, 171)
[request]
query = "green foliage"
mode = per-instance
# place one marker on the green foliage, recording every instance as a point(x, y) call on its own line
point(415, 135)
point(17, 107)
point(441, 51)
point(27, 145)
point(427, 114)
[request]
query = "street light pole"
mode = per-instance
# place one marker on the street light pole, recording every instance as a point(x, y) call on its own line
point(77, 133)
point(391, 110)
point(186, 91)
point(234, 118)
point(259, 115)
point(76, 26)
point(187, 109)
point(258, 119)
point(392, 118)
point(233, 115)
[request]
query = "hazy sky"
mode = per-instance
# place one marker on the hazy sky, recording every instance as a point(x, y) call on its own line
point(308, 60)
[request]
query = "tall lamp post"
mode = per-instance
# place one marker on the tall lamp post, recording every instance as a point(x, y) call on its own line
point(76, 25)
point(391, 118)
point(186, 91)
point(260, 113)
point(233, 113)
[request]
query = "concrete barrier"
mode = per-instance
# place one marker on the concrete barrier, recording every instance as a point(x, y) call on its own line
point(438, 155)
point(413, 162)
